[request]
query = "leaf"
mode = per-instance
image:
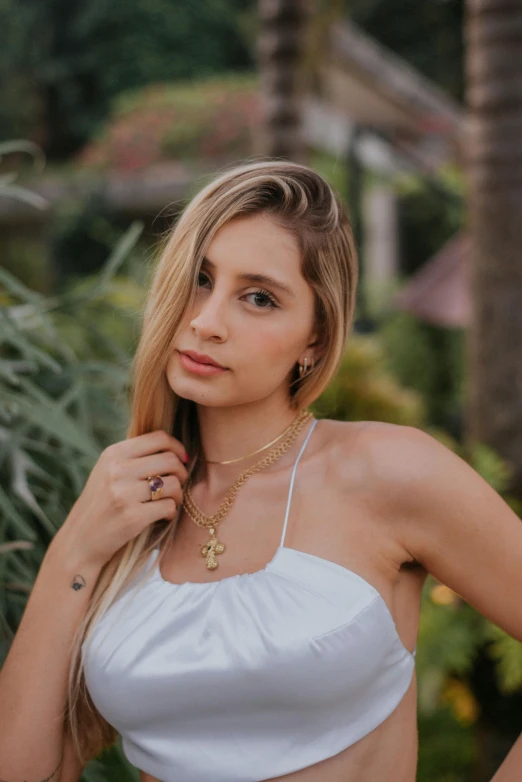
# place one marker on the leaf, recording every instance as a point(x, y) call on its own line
point(507, 651)
point(26, 347)
point(27, 196)
point(9, 369)
point(15, 286)
point(16, 545)
point(9, 511)
point(22, 465)
point(46, 415)
point(24, 145)
point(118, 255)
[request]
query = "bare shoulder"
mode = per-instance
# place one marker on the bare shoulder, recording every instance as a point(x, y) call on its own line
point(372, 448)
point(377, 461)
point(388, 451)
point(447, 517)
point(392, 460)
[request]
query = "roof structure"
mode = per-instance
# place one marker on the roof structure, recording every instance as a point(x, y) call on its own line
point(357, 81)
point(439, 292)
point(409, 124)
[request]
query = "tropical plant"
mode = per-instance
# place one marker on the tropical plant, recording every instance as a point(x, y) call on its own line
point(196, 121)
point(62, 63)
point(63, 375)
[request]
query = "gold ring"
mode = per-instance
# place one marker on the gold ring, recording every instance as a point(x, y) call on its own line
point(156, 486)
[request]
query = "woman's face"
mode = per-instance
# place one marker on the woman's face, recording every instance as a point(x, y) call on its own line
point(256, 329)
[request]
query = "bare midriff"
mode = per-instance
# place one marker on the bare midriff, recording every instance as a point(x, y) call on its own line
point(389, 752)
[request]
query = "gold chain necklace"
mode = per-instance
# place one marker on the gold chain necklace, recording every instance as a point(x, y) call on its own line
point(263, 448)
point(213, 546)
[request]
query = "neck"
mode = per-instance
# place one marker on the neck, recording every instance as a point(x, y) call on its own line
point(231, 432)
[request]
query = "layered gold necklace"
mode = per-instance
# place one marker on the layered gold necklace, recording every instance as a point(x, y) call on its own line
point(213, 546)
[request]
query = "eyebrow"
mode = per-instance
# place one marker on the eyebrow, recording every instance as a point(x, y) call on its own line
point(260, 279)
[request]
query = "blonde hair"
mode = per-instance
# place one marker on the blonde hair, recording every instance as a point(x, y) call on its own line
point(298, 199)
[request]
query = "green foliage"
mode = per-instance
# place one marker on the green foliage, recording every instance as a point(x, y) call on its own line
point(111, 766)
point(188, 121)
point(7, 186)
point(491, 467)
point(333, 168)
point(63, 375)
point(63, 61)
point(63, 381)
point(429, 360)
point(507, 652)
point(25, 257)
point(430, 212)
point(449, 636)
point(21, 252)
point(63, 371)
point(81, 235)
point(428, 35)
point(364, 389)
point(446, 748)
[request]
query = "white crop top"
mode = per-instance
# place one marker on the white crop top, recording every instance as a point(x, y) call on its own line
point(250, 677)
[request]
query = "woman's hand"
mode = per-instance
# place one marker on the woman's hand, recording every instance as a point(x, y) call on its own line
point(115, 504)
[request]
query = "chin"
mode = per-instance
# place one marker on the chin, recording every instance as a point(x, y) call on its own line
point(195, 391)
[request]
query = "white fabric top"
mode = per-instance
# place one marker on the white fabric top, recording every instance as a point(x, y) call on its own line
point(250, 677)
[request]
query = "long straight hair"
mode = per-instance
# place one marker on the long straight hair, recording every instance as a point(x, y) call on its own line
point(304, 203)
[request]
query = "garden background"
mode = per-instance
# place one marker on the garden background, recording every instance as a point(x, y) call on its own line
point(113, 115)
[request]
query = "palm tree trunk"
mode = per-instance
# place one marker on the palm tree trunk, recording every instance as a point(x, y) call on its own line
point(281, 56)
point(494, 167)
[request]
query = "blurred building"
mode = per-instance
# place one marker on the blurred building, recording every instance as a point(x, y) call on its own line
point(438, 292)
point(355, 100)
point(367, 102)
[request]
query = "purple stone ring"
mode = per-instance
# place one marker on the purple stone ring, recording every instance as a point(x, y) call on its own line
point(156, 486)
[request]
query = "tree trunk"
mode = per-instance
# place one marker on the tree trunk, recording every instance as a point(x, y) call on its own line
point(281, 57)
point(494, 169)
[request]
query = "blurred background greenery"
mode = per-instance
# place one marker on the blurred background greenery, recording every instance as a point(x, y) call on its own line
point(120, 99)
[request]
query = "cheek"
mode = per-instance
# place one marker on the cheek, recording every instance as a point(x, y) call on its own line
point(272, 345)
point(170, 368)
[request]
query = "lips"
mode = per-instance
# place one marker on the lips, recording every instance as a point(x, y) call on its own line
point(202, 358)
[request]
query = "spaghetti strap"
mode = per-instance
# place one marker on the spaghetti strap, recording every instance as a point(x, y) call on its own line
point(293, 478)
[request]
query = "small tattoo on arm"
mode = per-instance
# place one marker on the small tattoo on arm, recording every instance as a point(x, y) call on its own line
point(78, 583)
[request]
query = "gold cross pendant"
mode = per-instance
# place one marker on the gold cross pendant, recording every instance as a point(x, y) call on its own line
point(211, 548)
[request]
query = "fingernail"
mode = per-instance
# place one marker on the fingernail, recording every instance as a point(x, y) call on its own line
point(186, 458)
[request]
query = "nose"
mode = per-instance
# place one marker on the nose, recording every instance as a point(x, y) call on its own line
point(209, 318)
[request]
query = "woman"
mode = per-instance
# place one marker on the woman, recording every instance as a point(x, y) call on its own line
point(255, 616)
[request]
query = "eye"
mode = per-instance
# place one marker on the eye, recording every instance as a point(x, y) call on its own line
point(265, 297)
point(200, 275)
point(270, 302)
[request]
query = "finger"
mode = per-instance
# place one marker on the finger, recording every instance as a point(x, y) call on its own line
point(166, 508)
point(171, 488)
point(152, 442)
point(163, 463)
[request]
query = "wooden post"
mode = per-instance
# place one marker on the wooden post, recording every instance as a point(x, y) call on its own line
point(280, 55)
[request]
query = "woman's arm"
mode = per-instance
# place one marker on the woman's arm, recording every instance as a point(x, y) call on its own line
point(511, 768)
point(452, 522)
point(33, 679)
point(458, 527)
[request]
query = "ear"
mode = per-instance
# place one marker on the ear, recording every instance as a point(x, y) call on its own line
point(316, 347)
